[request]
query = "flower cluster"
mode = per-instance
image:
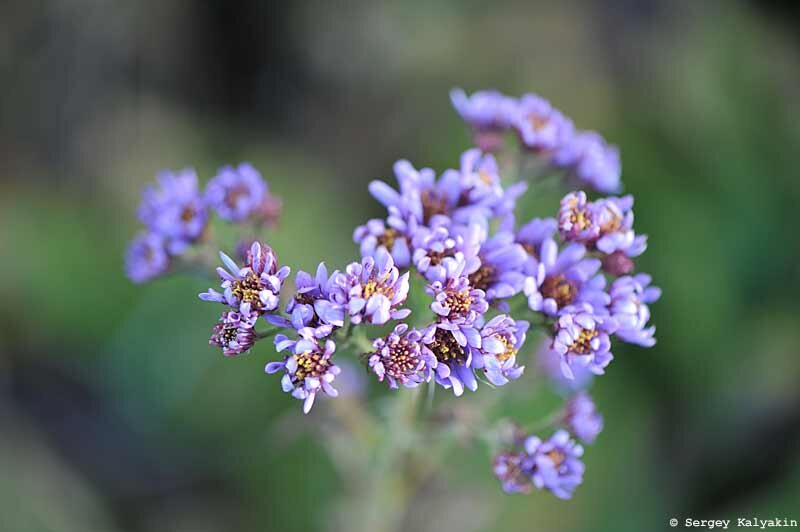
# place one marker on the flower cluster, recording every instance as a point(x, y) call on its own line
point(175, 214)
point(481, 279)
point(543, 131)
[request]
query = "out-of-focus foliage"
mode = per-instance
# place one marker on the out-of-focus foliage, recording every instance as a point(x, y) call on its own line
point(116, 414)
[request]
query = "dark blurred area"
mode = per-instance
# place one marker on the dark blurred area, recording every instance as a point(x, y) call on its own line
point(116, 414)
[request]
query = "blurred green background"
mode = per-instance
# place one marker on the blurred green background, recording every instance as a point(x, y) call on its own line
point(116, 415)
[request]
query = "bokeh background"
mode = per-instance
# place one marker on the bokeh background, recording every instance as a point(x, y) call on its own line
point(115, 414)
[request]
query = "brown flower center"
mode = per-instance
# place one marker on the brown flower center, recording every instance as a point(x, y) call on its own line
point(530, 249)
point(559, 288)
point(247, 290)
point(310, 364)
point(459, 303)
point(510, 350)
point(482, 277)
point(403, 358)
point(432, 204)
point(583, 343)
point(187, 214)
point(557, 457)
point(445, 347)
point(388, 238)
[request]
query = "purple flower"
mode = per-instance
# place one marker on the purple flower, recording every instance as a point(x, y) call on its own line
point(501, 339)
point(308, 367)
point(399, 359)
point(576, 219)
point(591, 161)
point(317, 303)
point(539, 125)
point(377, 234)
point(436, 250)
point(557, 464)
point(254, 288)
point(489, 113)
point(531, 236)
point(605, 224)
point(582, 418)
point(454, 300)
point(512, 470)
point(454, 359)
point(549, 363)
point(563, 278)
point(234, 333)
point(146, 258)
point(373, 289)
point(236, 193)
point(500, 271)
point(582, 339)
point(174, 210)
point(629, 299)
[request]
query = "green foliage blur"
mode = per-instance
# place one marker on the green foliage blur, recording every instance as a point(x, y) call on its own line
point(117, 415)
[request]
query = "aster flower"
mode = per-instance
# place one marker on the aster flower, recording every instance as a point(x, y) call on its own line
point(175, 210)
point(432, 246)
point(254, 288)
point(454, 300)
point(531, 236)
point(373, 289)
point(308, 367)
point(501, 339)
point(454, 359)
point(317, 303)
point(377, 234)
point(146, 258)
point(557, 463)
point(605, 224)
point(576, 218)
point(460, 196)
point(489, 113)
point(501, 263)
point(564, 277)
point(512, 470)
point(591, 161)
point(539, 125)
point(581, 417)
point(582, 339)
point(399, 359)
point(549, 363)
point(629, 299)
point(236, 193)
point(234, 333)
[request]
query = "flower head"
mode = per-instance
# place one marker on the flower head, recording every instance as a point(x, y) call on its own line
point(513, 471)
point(317, 303)
point(591, 161)
point(629, 299)
point(146, 258)
point(563, 278)
point(539, 125)
point(549, 363)
point(234, 333)
point(582, 418)
point(373, 289)
point(236, 193)
point(500, 272)
point(308, 367)
point(501, 339)
point(376, 234)
point(557, 464)
point(489, 113)
point(453, 354)
point(582, 339)
point(253, 289)
point(454, 300)
point(399, 359)
point(175, 210)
